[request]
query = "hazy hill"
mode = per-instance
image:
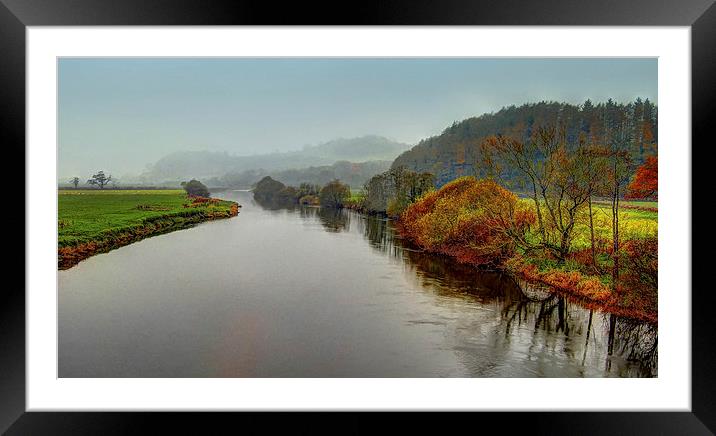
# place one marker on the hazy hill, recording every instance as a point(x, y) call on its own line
point(205, 164)
point(351, 173)
point(456, 151)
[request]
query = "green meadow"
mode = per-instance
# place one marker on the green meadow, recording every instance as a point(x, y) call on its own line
point(634, 222)
point(91, 215)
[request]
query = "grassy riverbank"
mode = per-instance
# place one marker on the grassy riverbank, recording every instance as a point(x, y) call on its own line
point(96, 221)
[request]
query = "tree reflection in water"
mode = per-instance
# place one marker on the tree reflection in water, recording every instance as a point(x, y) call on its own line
point(275, 204)
point(334, 220)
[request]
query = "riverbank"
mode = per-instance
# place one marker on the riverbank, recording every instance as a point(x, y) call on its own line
point(92, 222)
point(590, 291)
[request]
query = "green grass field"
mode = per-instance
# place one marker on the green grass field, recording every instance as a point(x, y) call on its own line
point(633, 223)
point(357, 195)
point(91, 215)
point(633, 203)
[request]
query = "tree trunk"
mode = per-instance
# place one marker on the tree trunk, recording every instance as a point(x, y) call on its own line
point(615, 226)
point(616, 240)
point(591, 231)
point(539, 213)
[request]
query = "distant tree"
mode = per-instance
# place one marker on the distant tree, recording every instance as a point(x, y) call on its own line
point(334, 194)
point(378, 191)
point(308, 189)
point(267, 189)
point(395, 189)
point(409, 186)
point(645, 183)
point(100, 180)
point(195, 187)
point(75, 181)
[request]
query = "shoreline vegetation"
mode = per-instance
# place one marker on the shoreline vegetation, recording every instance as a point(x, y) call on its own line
point(97, 221)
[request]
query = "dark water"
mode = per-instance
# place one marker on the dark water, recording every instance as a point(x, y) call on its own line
point(320, 293)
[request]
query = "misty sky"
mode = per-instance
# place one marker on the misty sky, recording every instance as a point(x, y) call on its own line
point(121, 114)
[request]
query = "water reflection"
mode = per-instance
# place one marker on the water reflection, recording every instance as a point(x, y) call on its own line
point(524, 313)
point(334, 220)
point(275, 204)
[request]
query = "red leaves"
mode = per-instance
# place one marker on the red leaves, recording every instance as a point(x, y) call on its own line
point(645, 183)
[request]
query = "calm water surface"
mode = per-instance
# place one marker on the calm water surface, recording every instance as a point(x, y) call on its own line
point(309, 292)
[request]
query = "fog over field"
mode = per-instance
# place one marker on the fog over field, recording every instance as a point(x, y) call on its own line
point(123, 115)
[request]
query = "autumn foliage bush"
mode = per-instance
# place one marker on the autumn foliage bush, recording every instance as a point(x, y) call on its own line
point(476, 221)
point(646, 180)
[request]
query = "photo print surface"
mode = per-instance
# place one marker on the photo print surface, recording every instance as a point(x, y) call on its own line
point(357, 217)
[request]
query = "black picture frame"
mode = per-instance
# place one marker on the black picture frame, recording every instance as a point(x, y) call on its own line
point(16, 15)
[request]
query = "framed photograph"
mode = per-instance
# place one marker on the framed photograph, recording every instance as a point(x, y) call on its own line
point(417, 208)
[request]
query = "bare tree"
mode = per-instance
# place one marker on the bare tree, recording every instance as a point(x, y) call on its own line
point(557, 176)
point(506, 159)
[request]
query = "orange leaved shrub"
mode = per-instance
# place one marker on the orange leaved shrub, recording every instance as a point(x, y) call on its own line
point(476, 221)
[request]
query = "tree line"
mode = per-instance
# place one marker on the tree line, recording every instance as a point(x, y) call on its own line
point(98, 180)
point(353, 174)
point(270, 192)
point(457, 150)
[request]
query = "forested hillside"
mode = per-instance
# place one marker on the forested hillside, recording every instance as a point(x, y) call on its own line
point(456, 152)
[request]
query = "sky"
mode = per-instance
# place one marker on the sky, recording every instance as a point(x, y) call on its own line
point(121, 114)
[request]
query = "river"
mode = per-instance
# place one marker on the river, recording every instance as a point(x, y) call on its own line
point(311, 292)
